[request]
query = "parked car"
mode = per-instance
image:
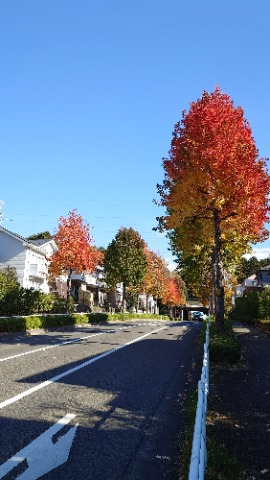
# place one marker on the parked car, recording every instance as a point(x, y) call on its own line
point(200, 316)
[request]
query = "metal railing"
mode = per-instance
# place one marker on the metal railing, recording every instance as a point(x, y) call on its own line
point(198, 459)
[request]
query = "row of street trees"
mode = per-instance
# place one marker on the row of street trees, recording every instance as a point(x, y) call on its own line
point(215, 192)
point(126, 260)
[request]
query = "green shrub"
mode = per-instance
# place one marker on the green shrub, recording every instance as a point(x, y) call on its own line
point(264, 304)
point(224, 347)
point(23, 323)
point(264, 325)
point(121, 317)
point(9, 303)
point(98, 317)
point(246, 308)
point(12, 324)
point(253, 307)
point(16, 300)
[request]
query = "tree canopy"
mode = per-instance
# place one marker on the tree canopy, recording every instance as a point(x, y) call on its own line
point(125, 261)
point(76, 252)
point(41, 235)
point(175, 291)
point(155, 276)
point(215, 180)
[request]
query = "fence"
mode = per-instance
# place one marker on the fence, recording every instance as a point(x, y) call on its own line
point(198, 459)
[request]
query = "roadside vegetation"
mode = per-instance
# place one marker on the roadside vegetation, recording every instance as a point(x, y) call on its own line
point(224, 352)
point(25, 323)
point(254, 308)
point(224, 347)
point(25, 308)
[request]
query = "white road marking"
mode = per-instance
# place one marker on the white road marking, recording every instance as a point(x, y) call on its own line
point(14, 399)
point(42, 455)
point(67, 342)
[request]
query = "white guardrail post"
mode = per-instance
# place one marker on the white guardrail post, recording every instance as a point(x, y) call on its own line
point(198, 459)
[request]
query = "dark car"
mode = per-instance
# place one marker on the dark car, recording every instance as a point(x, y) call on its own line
point(200, 316)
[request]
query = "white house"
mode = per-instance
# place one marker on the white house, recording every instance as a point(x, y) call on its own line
point(27, 257)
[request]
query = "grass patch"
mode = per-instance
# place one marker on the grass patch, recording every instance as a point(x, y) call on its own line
point(224, 351)
point(186, 442)
point(220, 464)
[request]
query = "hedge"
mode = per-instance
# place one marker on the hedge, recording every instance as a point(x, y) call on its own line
point(22, 324)
point(253, 307)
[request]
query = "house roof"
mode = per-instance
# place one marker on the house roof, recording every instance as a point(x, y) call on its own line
point(34, 244)
point(15, 235)
point(41, 241)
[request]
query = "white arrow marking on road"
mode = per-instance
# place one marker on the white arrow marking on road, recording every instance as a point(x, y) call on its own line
point(42, 454)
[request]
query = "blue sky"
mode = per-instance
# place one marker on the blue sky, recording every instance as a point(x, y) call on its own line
point(90, 92)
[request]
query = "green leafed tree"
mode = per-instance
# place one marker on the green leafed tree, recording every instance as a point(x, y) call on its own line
point(8, 281)
point(42, 235)
point(9, 291)
point(247, 267)
point(125, 262)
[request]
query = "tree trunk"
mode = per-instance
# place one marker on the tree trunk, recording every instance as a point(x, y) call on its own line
point(218, 275)
point(213, 271)
point(68, 290)
point(124, 301)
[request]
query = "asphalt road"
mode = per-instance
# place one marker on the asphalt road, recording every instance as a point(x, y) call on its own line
point(96, 403)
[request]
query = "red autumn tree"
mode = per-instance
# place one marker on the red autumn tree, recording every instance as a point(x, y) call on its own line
point(76, 252)
point(174, 294)
point(213, 176)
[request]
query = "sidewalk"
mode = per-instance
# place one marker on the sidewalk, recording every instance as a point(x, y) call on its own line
point(240, 398)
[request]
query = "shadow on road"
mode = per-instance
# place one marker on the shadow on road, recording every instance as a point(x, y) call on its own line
point(129, 406)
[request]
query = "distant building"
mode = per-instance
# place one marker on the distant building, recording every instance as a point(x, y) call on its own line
point(257, 281)
point(263, 276)
point(89, 289)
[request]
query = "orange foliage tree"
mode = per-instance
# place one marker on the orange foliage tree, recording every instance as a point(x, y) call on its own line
point(213, 175)
point(175, 293)
point(155, 277)
point(76, 252)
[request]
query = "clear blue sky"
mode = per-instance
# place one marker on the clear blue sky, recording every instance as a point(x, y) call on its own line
point(91, 90)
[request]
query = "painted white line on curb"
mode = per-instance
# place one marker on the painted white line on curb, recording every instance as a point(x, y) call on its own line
point(11, 400)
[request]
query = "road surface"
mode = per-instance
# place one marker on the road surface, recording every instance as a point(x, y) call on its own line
point(102, 402)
